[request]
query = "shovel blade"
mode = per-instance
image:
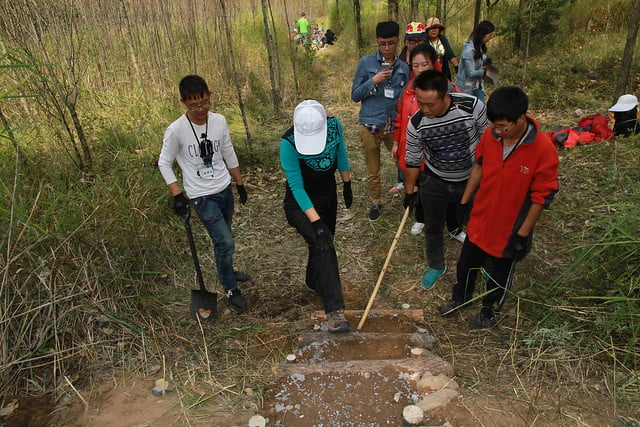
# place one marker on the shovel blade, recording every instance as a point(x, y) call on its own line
point(203, 305)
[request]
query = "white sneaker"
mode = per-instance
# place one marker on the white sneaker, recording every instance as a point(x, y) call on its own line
point(460, 236)
point(397, 187)
point(417, 228)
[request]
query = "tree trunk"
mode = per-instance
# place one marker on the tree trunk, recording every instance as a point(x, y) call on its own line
point(132, 51)
point(275, 98)
point(627, 56)
point(414, 10)
point(517, 39)
point(356, 10)
point(236, 80)
point(476, 14)
point(392, 10)
point(439, 13)
point(292, 52)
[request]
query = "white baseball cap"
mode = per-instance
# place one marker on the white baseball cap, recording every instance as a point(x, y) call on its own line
point(310, 127)
point(625, 103)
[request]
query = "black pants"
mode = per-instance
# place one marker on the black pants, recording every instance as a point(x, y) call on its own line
point(322, 266)
point(500, 271)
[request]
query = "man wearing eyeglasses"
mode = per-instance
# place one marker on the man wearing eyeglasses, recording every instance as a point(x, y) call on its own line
point(199, 142)
point(378, 83)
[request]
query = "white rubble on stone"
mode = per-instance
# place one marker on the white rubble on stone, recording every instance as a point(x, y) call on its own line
point(257, 421)
point(437, 399)
point(435, 382)
point(413, 414)
point(397, 397)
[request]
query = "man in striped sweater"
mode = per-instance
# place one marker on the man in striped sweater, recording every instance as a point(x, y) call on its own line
point(443, 133)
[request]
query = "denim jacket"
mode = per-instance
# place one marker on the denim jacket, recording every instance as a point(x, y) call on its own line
point(376, 108)
point(470, 71)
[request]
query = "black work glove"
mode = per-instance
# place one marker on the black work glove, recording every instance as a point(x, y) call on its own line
point(464, 210)
point(347, 194)
point(519, 246)
point(410, 200)
point(322, 235)
point(180, 204)
point(242, 194)
point(456, 67)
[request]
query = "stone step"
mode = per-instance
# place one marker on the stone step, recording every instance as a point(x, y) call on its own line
point(319, 347)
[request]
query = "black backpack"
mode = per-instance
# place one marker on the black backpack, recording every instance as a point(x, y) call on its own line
point(626, 122)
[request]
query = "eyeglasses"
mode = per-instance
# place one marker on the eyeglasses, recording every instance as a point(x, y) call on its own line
point(414, 41)
point(202, 106)
point(382, 45)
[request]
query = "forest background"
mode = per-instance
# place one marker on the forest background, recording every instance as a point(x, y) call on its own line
point(95, 267)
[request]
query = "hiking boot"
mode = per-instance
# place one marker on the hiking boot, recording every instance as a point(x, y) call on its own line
point(241, 277)
point(397, 187)
point(486, 318)
point(431, 276)
point(236, 299)
point(376, 210)
point(459, 236)
point(448, 307)
point(337, 323)
point(417, 228)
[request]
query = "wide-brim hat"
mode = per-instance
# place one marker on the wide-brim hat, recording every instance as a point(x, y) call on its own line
point(310, 127)
point(625, 103)
point(434, 22)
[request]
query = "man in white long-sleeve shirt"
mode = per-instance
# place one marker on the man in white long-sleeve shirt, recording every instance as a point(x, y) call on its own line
point(200, 143)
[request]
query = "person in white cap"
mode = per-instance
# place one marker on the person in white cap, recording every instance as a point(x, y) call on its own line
point(310, 153)
point(625, 113)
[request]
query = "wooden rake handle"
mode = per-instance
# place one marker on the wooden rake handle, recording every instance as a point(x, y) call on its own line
point(384, 268)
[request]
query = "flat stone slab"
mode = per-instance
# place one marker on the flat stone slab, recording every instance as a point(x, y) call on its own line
point(426, 363)
point(319, 347)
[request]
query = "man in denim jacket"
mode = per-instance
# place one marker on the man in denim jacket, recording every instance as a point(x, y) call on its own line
point(379, 81)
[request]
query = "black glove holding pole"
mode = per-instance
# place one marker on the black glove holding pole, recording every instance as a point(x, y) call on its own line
point(180, 204)
point(322, 234)
point(242, 194)
point(410, 200)
point(519, 246)
point(464, 210)
point(347, 194)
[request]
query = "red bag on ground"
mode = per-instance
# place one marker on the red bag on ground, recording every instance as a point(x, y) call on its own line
point(597, 124)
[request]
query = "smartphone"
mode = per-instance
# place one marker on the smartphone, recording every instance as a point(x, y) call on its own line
point(385, 66)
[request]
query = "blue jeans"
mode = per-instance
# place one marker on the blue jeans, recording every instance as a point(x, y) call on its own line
point(215, 211)
point(479, 93)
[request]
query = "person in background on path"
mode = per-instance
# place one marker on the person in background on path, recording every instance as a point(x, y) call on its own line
point(200, 143)
point(441, 44)
point(414, 36)
point(625, 114)
point(303, 28)
point(443, 135)
point(514, 179)
point(330, 37)
point(310, 153)
point(378, 83)
point(422, 58)
point(471, 70)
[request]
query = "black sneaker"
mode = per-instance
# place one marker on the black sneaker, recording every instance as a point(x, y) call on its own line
point(337, 323)
point(374, 213)
point(447, 308)
point(242, 277)
point(236, 299)
point(485, 319)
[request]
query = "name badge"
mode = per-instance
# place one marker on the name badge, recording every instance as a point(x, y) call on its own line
point(389, 92)
point(205, 173)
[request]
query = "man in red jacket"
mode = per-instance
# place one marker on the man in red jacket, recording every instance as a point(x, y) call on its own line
point(514, 179)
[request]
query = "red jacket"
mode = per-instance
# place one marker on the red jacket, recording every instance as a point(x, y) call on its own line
point(508, 188)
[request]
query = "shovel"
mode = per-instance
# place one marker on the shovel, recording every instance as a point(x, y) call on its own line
point(203, 302)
